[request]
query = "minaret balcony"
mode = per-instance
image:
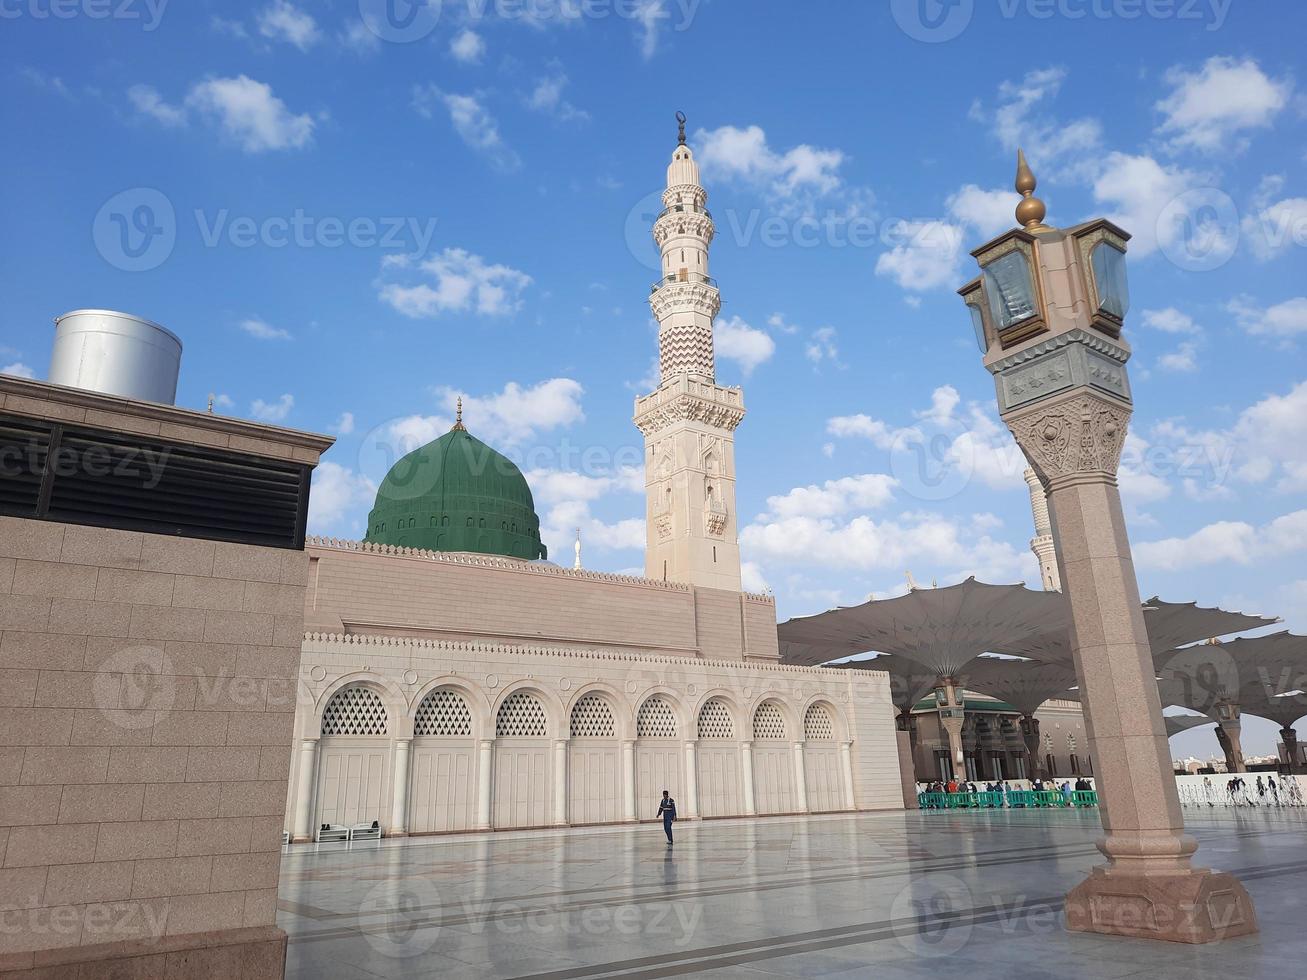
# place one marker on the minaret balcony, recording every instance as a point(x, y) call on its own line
point(683, 277)
point(684, 209)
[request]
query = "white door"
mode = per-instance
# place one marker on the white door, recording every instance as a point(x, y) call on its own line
point(353, 782)
point(821, 766)
point(719, 780)
point(444, 793)
point(657, 768)
point(522, 790)
point(773, 778)
point(595, 783)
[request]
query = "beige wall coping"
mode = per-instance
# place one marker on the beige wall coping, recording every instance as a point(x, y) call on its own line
point(51, 402)
point(472, 647)
point(314, 544)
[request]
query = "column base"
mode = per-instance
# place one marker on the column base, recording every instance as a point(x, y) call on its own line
point(396, 833)
point(1195, 906)
point(252, 954)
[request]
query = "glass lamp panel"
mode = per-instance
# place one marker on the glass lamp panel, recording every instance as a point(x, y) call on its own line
point(1010, 290)
point(1110, 278)
point(978, 324)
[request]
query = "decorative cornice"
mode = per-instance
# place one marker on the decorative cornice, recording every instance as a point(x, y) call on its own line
point(486, 561)
point(683, 407)
point(1095, 342)
point(1074, 436)
point(684, 223)
point(473, 649)
point(677, 297)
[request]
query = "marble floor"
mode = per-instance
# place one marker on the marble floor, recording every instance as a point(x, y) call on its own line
point(976, 894)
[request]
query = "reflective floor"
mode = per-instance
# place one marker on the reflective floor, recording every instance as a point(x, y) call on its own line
point(890, 895)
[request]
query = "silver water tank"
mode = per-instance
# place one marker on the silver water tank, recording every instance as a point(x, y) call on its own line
point(117, 354)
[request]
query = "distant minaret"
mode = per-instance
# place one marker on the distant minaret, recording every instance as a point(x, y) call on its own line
point(690, 421)
point(1042, 543)
point(577, 564)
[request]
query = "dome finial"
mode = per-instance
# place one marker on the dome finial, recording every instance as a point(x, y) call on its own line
point(458, 425)
point(1031, 210)
point(680, 123)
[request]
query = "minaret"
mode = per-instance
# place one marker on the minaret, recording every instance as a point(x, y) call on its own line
point(1042, 543)
point(577, 564)
point(689, 421)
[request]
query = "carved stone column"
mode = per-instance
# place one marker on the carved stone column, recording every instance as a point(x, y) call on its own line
point(1290, 739)
point(306, 770)
point(485, 767)
point(746, 774)
point(399, 790)
point(1232, 745)
point(1030, 735)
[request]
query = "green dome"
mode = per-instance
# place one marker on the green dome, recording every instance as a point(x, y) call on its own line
point(457, 494)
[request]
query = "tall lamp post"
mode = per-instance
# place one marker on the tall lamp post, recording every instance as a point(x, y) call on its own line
point(1048, 311)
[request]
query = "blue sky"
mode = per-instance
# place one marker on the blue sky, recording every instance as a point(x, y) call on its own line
point(351, 219)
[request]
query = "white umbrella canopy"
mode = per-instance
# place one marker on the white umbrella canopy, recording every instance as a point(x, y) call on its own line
point(1175, 724)
point(1265, 675)
point(909, 681)
point(942, 629)
point(1024, 684)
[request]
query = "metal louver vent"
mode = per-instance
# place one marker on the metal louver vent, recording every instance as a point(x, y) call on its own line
point(109, 479)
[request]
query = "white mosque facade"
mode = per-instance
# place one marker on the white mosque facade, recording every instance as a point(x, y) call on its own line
point(452, 681)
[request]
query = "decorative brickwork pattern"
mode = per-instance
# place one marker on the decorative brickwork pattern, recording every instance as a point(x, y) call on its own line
point(818, 724)
point(521, 716)
point(768, 721)
point(354, 711)
point(443, 712)
point(656, 719)
point(593, 718)
point(715, 720)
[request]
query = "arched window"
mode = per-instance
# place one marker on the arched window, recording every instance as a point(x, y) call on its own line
point(593, 718)
point(521, 716)
point(656, 719)
point(715, 720)
point(818, 724)
point(443, 712)
point(768, 721)
point(354, 711)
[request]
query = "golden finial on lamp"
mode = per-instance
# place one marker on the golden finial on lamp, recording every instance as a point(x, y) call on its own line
point(1031, 210)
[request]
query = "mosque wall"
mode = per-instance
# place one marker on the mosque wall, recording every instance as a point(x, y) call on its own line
point(430, 736)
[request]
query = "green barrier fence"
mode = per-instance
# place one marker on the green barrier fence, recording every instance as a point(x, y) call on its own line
point(1014, 798)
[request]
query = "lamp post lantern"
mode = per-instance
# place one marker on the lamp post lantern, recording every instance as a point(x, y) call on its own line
point(1048, 310)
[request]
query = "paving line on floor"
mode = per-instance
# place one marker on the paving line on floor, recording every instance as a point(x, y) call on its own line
point(738, 954)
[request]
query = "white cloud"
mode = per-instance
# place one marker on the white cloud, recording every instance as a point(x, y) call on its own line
point(736, 341)
point(467, 46)
point(459, 282)
point(862, 426)
point(752, 578)
point(869, 491)
point(471, 120)
point(1021, 118)
point(506, 419)
point(1273, 229)
point(926, 256)
point(263, 331)
point(648, 17)
point(1171, 320)
point(1283, 321)
point(989, 212)
point(360, 38)
point(147, 101)
point(283, 21)
point(1226, 541)
point(18, 370)
point(821, 346)
point(345, 425)
point(228, 28)
point(1184, 359)
point(1207, 108)
point(248, 112)
point(338, 494)
point(547, 97)
point(744, 154)
point(272, 411)
point(1138, 189)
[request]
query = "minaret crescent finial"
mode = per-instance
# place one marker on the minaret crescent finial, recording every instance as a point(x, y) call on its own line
point(458, 418)
point(1031, 210)
point(680, 123)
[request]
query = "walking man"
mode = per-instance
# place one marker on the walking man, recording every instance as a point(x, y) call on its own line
point(667, 810)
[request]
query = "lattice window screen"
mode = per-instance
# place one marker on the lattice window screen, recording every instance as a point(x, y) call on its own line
point(768, 722)
point(521, 716)
point(443, 712)
point(593, 718)
point(1071, 744)
point(818, 724)
point(656, 719)
point(715, 720)
point(1048, 742)
point(354, 711)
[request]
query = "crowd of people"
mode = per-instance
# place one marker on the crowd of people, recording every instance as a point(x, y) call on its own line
point(1003, 791)
point(1263, 791)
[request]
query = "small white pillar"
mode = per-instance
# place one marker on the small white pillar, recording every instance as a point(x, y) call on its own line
point(485, 765)
point(691, 781)
point(399, 791)
point(560, 782)
point(628, 780)
point(846, 768)
point(746, 766)
point(302, 826)
point(800, 779)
